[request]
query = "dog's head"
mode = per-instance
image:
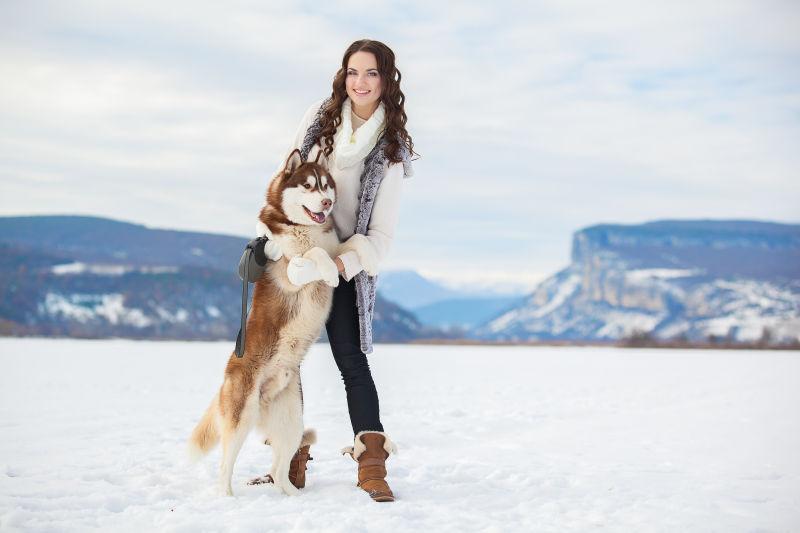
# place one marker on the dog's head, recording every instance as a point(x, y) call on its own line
point(305, 191)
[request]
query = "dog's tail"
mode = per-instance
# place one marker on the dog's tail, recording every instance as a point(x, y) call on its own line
point(206, 434)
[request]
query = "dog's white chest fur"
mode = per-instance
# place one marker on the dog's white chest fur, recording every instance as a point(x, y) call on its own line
point(297, 240)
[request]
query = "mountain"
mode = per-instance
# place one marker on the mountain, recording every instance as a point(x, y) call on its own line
point(411, 290)
point(415, 291)
point(94, 240)
point(463, 313)
point(691, 280)
point(95, 277)
point(453, 308)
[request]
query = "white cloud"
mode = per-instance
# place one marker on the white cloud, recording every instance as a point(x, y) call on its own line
point(533, 119)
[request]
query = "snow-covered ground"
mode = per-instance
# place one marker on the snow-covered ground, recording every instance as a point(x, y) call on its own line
point(490, 439)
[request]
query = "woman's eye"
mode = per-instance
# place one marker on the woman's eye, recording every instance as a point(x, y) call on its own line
point(373, 74)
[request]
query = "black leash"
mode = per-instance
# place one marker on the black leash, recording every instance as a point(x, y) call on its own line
point(251, 267)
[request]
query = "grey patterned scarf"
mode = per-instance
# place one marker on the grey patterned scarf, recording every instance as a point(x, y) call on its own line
point(375, 165)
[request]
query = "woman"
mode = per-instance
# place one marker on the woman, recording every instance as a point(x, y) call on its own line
point(361, 132)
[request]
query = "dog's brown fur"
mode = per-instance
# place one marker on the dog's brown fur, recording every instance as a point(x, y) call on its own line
point(262, 388)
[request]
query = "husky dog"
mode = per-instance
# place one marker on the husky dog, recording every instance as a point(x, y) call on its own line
point(262, 388)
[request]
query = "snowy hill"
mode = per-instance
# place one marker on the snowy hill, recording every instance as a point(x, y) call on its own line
point(690, 280)
point(94, 277)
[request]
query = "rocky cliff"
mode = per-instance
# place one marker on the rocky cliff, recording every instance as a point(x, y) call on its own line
point(693, 280)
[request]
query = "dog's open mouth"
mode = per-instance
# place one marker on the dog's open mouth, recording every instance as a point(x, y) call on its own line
point(319, 218)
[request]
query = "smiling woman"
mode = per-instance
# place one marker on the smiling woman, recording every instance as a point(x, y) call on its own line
point(359, 135)
point(363, 83)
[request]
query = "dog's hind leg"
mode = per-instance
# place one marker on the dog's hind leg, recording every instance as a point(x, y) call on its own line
point(276, 382)
point(286, 431)
point(234, 432)
point(232, 440)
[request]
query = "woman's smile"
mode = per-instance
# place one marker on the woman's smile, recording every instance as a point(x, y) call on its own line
point(363, 83)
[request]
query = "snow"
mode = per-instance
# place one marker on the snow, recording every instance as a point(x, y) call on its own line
point(83, 268)
point(181, 315)
point(490, 439)
point(649, 274)
point(743, 308)
point(68, 269)
point(653, 301)
point(86, 307)
point(563, 291)
point(621, 323)
point(77, 307)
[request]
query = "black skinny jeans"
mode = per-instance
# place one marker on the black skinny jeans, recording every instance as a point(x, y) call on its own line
point(344, 336)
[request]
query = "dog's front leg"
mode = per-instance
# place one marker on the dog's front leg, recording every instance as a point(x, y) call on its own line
point(325, 265)
point(278, 272)
point(263, 231)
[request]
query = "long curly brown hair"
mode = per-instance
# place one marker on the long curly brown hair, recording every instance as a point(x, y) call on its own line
point(391, 96)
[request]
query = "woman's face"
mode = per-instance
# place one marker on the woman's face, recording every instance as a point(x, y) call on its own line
point(363, 83)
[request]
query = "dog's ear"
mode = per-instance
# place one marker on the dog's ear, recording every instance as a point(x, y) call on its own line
point(292, 162)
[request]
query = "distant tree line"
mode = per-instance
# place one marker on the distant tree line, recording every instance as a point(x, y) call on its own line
point(767, 341)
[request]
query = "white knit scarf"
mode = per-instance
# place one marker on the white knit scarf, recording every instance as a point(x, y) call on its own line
point(349, 149)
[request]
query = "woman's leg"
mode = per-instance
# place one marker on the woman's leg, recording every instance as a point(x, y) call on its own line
point(343, 334)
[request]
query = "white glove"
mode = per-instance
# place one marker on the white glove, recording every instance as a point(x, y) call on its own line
point(301, 271)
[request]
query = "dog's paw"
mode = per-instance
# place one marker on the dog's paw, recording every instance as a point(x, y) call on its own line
point(301, 270)
point(329, 272)
point(326, 268)
point(262, 230)
point(289, 489)
point(261, 480)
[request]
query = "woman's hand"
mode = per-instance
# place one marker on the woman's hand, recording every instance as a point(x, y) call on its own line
point(339, 265)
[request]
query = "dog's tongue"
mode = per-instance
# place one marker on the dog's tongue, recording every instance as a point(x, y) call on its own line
point(319, 218)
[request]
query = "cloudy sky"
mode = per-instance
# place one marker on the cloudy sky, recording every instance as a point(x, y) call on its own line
point(533, 119)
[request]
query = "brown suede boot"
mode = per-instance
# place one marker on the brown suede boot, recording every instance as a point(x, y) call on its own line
point(297, 466)
point(370, 450)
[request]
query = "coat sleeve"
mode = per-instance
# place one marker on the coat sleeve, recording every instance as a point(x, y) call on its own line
point(383, 220)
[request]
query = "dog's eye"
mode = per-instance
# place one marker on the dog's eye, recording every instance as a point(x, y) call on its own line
point(306, 185)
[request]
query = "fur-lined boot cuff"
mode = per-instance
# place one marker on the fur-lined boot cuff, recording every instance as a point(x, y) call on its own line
point(358, 447)
point(309, 437)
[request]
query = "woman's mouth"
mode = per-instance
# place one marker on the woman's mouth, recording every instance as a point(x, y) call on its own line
point(361, 93)
point(319, 218)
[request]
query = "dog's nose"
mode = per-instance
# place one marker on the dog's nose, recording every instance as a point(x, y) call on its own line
point(326, 203)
